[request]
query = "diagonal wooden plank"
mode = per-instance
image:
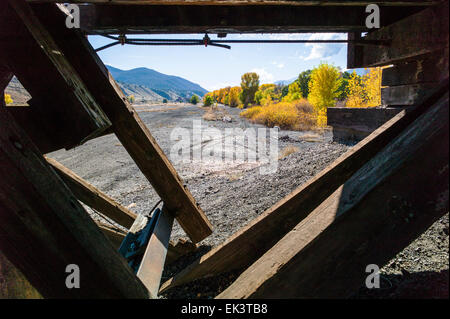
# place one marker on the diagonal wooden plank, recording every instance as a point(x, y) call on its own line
point(383, 207)
point(128, 127)
point(62, 113)
point(53, 52)
point(43, 228)
point(93, 197)
point(253, 240)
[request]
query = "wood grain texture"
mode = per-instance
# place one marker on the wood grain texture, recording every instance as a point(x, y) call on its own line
point(372, 217)
point(428, 69)
point(128, 127)
point(423, 33)
point(254, 239)
point(231, 19)
point(71, 114)
point(44, 228)
point(249, 2)
point(93, 197)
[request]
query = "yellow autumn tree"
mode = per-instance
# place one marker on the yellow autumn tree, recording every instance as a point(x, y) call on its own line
point(233, 96)
point(364, 91)
point(323, 90)
point(8, 99)
point(355, 95)
point(372, 86)
point(323, 86)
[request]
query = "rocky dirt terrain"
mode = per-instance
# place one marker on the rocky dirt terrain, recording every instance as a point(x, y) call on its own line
point(232, 194)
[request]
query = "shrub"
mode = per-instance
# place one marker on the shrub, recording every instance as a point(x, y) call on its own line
point(297, 115)
point(208, 100)
point(251, 112)
point(194, 99)
point(164, 101)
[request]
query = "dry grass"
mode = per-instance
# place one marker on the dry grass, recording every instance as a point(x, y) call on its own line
point(297, 115)
point(313, 138)
point(215, 113)
point(288, 150)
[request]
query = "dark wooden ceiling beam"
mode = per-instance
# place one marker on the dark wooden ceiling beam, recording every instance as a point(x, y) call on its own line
point(232, 19)
point(248, 2)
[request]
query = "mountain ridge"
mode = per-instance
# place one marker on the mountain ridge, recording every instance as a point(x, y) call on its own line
point(150, 85)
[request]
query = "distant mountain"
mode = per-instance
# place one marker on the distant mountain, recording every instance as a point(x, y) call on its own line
point(285, 82)
point(150, 85)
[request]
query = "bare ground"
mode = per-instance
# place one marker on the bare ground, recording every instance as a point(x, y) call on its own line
point(233, 194)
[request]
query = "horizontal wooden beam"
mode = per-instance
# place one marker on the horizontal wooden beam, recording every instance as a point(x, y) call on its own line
point(249, 2)
point(422, 33)
point(368, 220)
point(128, 127)
point(253, 240)
point(43, 228)
point(231, 19)
point(430, 68)
point(93, 197)
point(406, 95)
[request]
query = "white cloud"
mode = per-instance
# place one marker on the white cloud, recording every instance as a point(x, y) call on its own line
point(278, 64)
point(323, 50)
point(264, 76)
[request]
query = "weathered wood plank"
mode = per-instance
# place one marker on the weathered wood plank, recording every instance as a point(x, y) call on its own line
point(354, 52)
point(13, 284)
point(352, 123)
point(128, 127)
point(403, 95)
point(231, 19)
point(422, 33)
point(44, 228)
point(251, 2)
point(152, 265)
point(179, 249)
point(114, 235)
point(93, 197)
point(5, 77)
point(45, 130)
point(373, 216)
point(58, 94)
point(432, 69)
point(253, 240)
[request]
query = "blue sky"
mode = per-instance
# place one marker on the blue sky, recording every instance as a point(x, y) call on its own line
point(214, 68)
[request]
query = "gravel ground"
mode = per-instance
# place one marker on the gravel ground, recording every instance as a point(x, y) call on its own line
point(232, 194)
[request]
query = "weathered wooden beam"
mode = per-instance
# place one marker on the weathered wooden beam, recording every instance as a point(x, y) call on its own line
point(5, 77)
point(354, 51)
point(429, 69)
point(250, 2)
point(253, 240)
point(355, 124)
point(13, 284)
point(115, 235)
point(404, 95)
point(128, 127)
point(93, 197)
point(58, 92)
point(43, 228)
point(422, 33)
point(179, 249)
point(372, 217)
point(152, 264)
point(231, 19)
